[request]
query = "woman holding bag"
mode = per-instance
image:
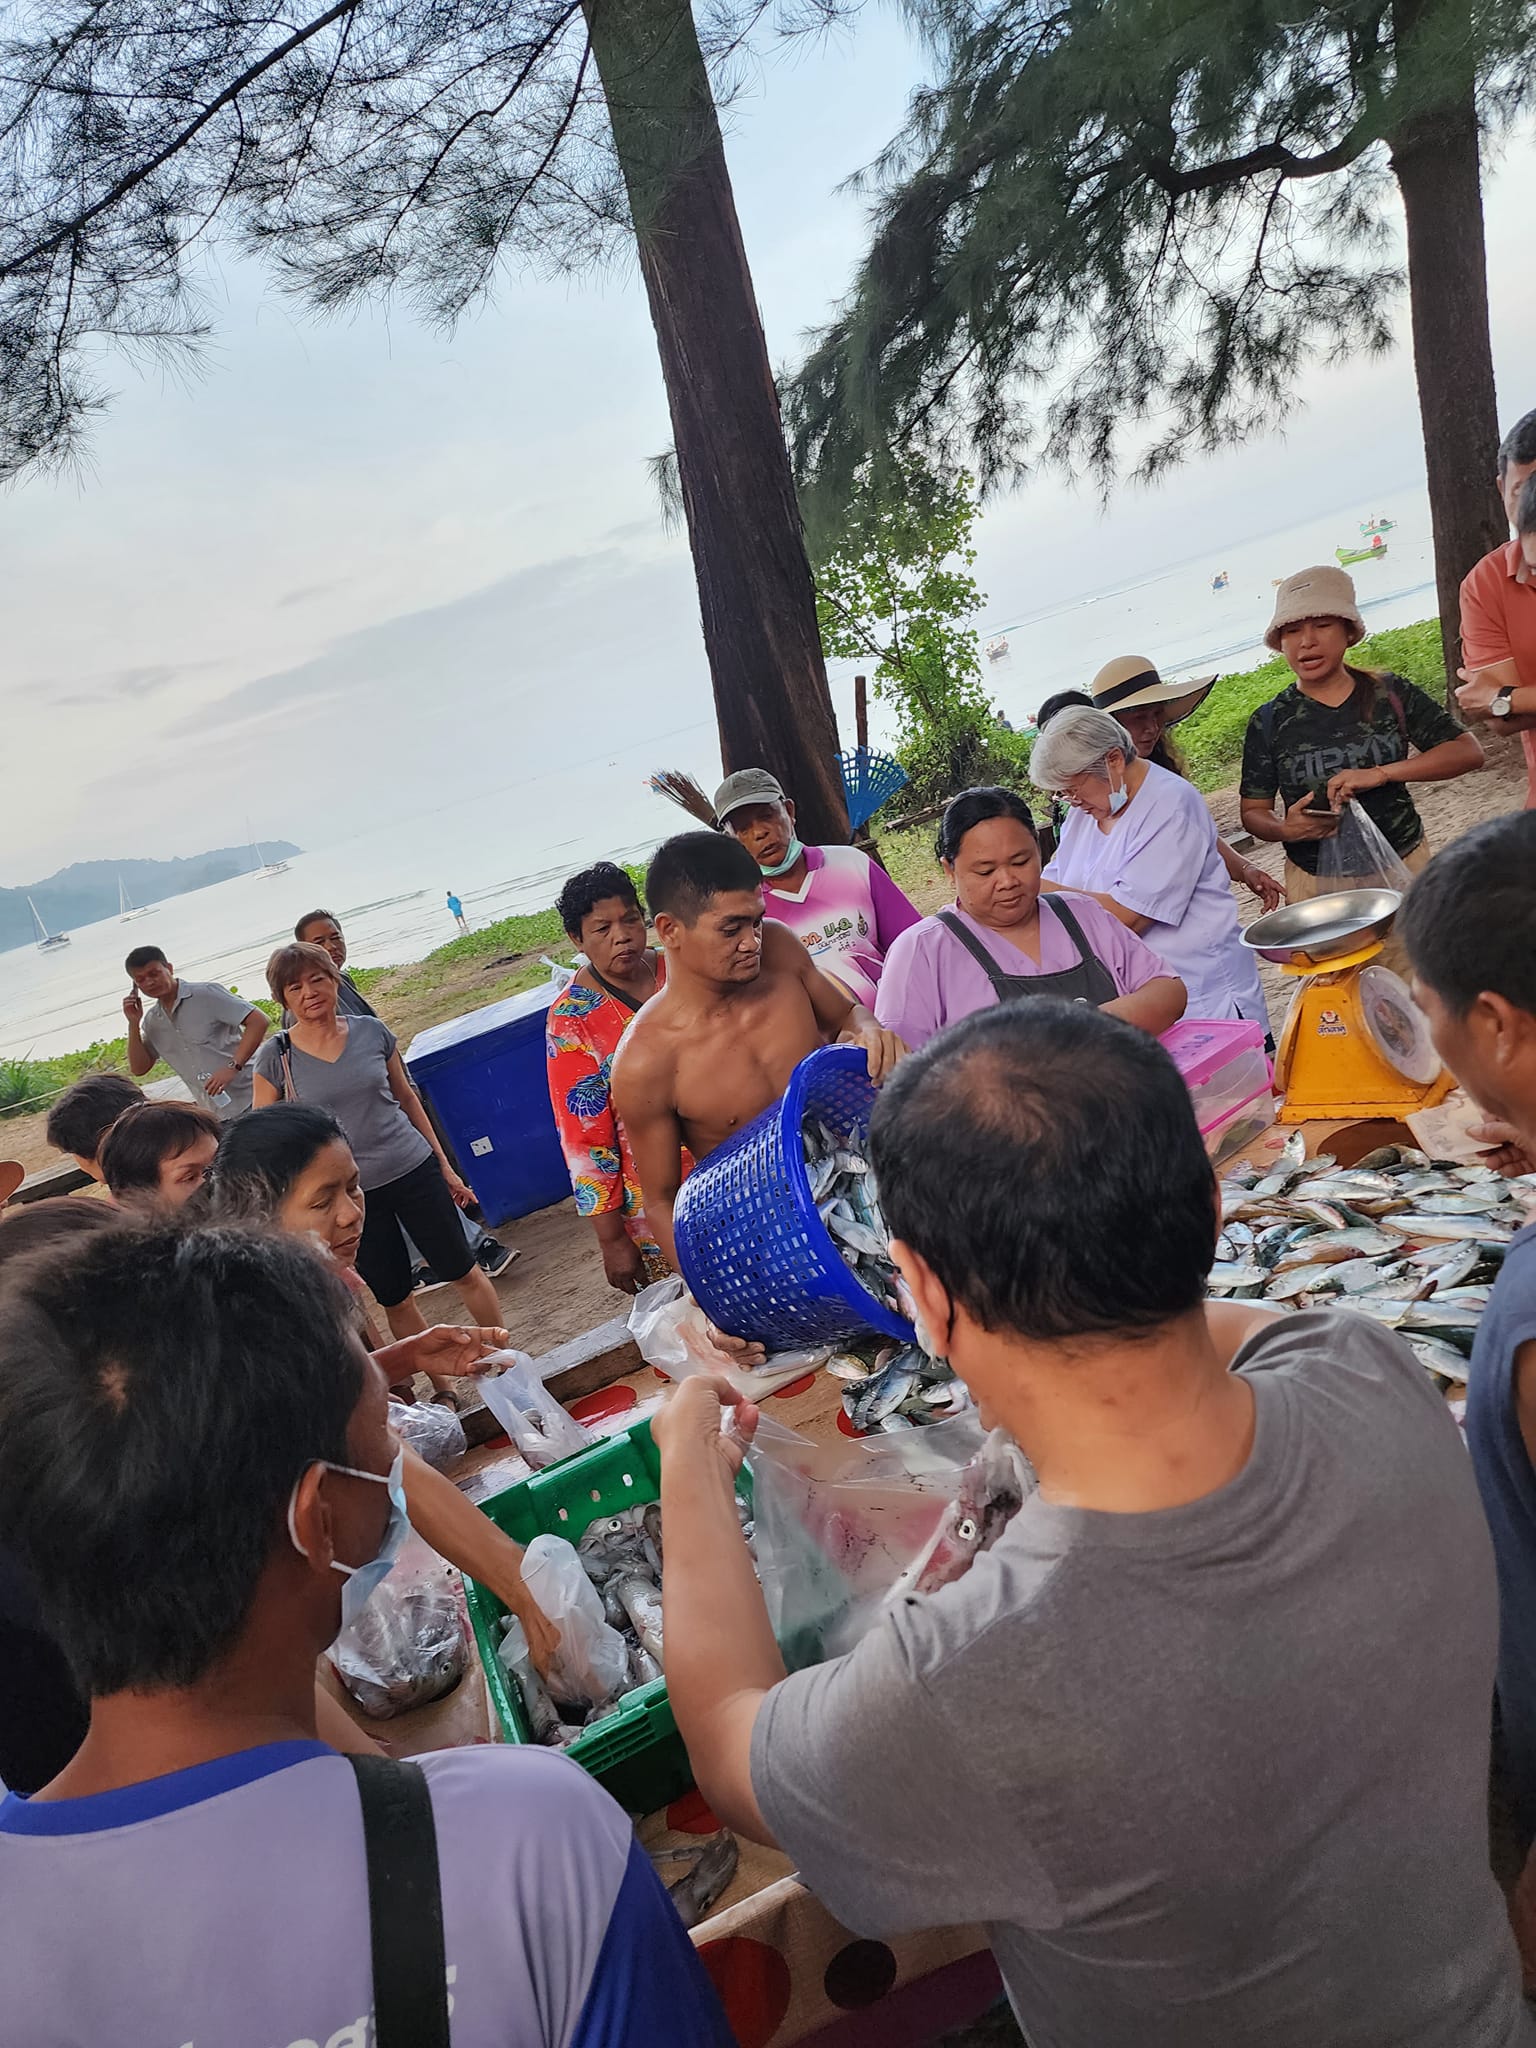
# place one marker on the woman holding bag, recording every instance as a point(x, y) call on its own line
point(352, 1067)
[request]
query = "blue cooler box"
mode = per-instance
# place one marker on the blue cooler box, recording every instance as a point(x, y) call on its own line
point(484, 1078)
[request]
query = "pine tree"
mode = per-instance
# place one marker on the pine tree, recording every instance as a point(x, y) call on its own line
point(1114, 231)
point(413, 149)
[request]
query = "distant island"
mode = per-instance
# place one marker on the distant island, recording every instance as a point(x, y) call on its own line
point(87, 891)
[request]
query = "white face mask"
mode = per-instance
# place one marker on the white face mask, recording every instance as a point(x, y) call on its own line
point(364, 1580)
point(1118, 799)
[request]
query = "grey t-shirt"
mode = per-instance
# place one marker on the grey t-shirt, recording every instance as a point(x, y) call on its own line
point(198, 1035)
point(1215, 1777)
point(355, 1089)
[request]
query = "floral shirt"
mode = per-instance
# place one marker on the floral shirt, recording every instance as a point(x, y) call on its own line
point(585, 1026)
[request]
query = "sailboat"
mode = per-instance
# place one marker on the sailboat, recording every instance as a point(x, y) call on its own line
point(263, 865)
point(47, 941)
point(127, 911)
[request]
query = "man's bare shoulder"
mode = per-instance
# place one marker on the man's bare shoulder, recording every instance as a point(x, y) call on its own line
point(647, 1048)
point(783, 953)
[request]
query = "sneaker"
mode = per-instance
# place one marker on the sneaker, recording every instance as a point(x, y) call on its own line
point(492, 1257)
point(425, 1281)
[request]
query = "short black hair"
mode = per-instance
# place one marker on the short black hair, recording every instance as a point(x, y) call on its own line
point(1519, 444)
point(1045, 1161)
point(144, 956)
point(84, 1114)
point(50, 1225)
point(975, 807)
point(688, 871)
point(161, 1391)
point(582, 894)
point(309, 918)
point(144, 1137)
point(1525, 507)
point(1064, 700)
point(1469, 921)
point(263, 1153)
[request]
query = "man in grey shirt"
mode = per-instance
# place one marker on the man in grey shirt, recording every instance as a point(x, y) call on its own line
point(203, 1033)
point(1203, 1736)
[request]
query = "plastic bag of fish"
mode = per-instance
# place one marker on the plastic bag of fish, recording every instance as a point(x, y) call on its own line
point(529, 1412)
point(410, 1644)
point(1413, 1243)
point(842, 1524)
point(603, 1596)
point(671, 1332)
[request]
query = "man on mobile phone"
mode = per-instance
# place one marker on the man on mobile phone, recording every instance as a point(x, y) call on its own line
point(203, 1032)
point(1498, 609)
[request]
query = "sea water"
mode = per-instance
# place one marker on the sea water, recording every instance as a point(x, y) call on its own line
point(388, 886)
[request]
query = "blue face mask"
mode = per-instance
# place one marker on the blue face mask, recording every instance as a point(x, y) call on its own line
point(364, 1580)
point(784, 866)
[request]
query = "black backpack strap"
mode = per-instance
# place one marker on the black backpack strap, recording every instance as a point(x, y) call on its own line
point(405, 1905)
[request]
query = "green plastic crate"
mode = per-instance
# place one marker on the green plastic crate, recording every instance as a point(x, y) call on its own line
point(637, 1753)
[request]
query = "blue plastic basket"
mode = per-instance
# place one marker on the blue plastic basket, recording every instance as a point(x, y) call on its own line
point(754, 1252)
point(869, 780)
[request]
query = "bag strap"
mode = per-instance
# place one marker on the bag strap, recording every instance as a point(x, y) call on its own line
point(284, 1047)
point(405, 1905)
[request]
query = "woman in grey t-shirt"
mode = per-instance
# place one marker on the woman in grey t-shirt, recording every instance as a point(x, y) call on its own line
point(352, 1067)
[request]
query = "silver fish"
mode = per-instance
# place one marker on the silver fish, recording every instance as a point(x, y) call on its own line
point(1451, 1229)
point(641, 1601)
point(1303, 1280)
point(706, 1871)
point(992, 1489)
point(878, 1397)
point(1227, 1279)
point(1441, 1360)
point(844, 1366)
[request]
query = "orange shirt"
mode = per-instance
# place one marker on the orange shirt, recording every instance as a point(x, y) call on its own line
point(1498, 623)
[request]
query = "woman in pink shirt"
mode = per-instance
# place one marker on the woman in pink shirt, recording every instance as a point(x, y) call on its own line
point(1000, 943)
point(842, 906)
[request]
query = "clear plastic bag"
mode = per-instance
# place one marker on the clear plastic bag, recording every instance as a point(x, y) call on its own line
point(592, 1662)
point(837, 1524)
point(433, 1432)
point(672, 1333)
point(409, 1645)
point(529, 1412)
point(1359, 856)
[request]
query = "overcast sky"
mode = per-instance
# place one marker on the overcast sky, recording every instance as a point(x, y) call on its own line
point(356, 567)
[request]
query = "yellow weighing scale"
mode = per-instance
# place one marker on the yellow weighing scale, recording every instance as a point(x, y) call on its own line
point(1354, 1044)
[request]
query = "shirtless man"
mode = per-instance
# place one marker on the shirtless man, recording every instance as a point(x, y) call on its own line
point(743, 1004)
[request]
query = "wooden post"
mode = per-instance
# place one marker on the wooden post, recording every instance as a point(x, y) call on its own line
point(860, 711)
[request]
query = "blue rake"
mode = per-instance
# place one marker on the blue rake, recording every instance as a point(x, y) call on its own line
point(869, 780)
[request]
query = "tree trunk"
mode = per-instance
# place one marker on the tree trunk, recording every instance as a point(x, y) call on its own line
point(755, 593)
point(1435, 157)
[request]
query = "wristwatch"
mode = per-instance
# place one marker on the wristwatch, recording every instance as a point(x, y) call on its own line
point(1501, 702)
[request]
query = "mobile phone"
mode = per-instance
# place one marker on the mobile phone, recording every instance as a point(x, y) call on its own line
point(1318, 807)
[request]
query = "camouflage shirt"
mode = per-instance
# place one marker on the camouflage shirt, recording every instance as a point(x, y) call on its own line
point(1306, 743)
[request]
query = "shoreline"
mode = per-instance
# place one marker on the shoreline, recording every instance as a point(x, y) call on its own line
point(504, 958)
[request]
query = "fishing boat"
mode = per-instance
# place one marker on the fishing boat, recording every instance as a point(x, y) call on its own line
point(47, 941)
point(1373, 553)
point(1370, 526)
point(1220, 582)
point(127, 910)
point(264, 866)
point(996, 649)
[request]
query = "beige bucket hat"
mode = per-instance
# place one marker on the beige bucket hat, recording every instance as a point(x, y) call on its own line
point(1130, 679)
point(1319, 593)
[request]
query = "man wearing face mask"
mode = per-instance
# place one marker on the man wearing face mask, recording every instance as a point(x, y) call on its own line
point(198, 1869)
point(842, 906)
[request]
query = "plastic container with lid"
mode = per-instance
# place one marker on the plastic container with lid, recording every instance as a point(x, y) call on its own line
point(1223, 1065)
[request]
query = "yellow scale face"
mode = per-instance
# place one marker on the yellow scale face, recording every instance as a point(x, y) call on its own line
point(1355, 1045)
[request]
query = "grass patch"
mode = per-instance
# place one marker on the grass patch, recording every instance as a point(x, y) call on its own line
point(1211, 739)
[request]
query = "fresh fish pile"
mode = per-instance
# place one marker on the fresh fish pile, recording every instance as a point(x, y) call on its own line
point(622, 1556)
point(886, 1386)
point(1411, 1242)
point(848, 1203)
point(898, 1386)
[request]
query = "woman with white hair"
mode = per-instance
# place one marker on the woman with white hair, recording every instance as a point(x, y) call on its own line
point(1141, 842)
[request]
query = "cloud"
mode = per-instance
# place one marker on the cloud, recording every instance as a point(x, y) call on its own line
point(132, 683)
